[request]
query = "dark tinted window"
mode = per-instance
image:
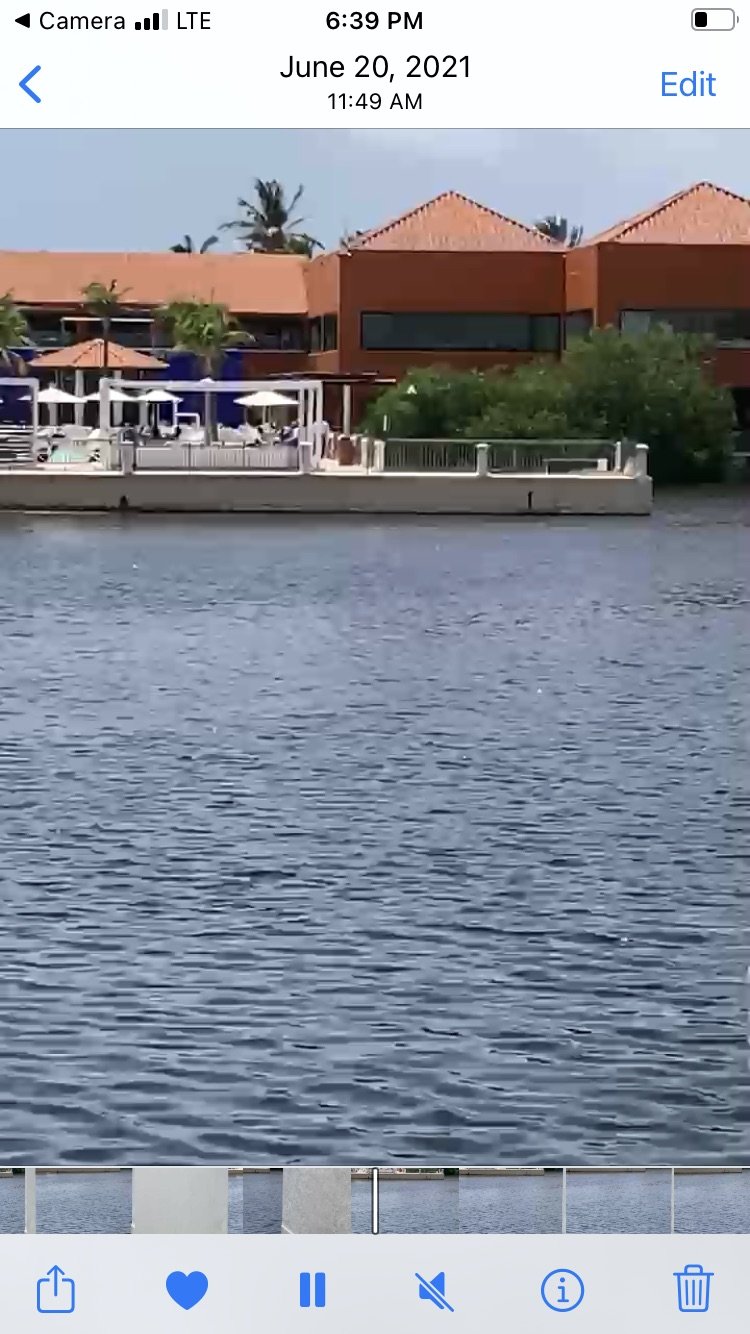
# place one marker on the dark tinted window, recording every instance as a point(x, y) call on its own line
point(578, 324)
point(456, 332)
point(726, 326)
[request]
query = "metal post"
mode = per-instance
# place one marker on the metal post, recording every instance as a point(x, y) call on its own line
point(79, 387)
point(117, 407)
point(375, 1201)
point(316, 434)
point(30, 1199)
point(105, 421)
point(565, 1201)
point(346, 410)
point(483, 460)
point(35, 416)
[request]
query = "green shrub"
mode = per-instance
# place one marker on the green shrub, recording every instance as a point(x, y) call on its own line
point(655, 388)
point(431, 404)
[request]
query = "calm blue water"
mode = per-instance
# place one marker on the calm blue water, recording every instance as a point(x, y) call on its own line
point(370, 841)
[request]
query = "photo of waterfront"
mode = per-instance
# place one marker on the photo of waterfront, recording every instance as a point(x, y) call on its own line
point(375, 640)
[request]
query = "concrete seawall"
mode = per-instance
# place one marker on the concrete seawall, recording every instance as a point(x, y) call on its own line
point(326, 493)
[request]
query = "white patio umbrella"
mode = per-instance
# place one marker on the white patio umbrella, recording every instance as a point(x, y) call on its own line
point(266, 398)
point(206, 385)
point(157, 396)
point(53, 397)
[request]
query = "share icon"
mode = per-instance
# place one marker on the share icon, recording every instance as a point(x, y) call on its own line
point(433, 1290)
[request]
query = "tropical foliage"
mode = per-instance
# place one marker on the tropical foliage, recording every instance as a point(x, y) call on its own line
point(14, 333)
point(207, 331)
point(104, 301)
point(266, 223)
point(187, 246)
point(652, 387)
point(558, 229)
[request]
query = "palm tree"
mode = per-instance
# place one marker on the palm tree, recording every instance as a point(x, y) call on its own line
point(556, 227)
point(207, 331)
point(349, 238)
point(14, 333)
point(267, 224)
point(104, 301)
point(187, 247)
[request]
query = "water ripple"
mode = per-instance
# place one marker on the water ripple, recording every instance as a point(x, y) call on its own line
point(373, 841)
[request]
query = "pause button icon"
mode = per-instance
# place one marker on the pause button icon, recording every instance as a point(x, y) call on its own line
point(312, 1289)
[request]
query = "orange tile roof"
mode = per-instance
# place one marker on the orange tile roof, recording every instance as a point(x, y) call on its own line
point(453, 222)
point(704, 214)
point(89, 356)
point(247, 284)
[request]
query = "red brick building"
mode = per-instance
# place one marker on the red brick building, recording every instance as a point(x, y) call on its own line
point(450, 282)
point(685, 263)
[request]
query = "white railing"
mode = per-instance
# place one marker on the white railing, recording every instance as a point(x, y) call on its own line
point(229, 458)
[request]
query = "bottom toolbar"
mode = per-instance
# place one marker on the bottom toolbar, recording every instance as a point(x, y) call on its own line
point(237, 1283)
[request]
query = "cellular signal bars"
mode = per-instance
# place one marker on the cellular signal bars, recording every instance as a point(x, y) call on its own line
point(153, 22)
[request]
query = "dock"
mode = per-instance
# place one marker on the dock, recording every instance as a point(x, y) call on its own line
point(343, 492)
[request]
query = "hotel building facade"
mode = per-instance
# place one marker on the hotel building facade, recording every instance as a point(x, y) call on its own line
point(450, 283)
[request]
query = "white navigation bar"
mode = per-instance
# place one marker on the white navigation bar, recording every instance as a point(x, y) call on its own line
point(228, 1285)
point(319, 63)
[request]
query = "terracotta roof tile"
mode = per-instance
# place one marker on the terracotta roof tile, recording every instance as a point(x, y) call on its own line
point(247, 284)
point(89, 356)
point(704, 214)
point(453, 222)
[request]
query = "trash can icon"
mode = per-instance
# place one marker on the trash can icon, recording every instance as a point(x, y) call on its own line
point(693, 1288)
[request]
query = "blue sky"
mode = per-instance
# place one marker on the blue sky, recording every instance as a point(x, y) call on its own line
point(142, 189)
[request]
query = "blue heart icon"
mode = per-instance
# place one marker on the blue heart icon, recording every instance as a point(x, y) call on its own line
point(187, 1289)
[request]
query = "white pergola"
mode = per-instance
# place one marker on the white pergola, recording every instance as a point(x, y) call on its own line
point(308, 393)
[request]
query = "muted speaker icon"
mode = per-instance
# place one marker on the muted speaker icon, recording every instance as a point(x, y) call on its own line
point(153, 22)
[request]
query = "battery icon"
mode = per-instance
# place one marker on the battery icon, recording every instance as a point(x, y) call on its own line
point(714, 20)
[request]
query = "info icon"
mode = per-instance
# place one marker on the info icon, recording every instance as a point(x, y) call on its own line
point(562, 1290)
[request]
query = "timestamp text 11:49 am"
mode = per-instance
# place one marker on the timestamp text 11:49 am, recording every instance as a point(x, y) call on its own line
point(375, 102)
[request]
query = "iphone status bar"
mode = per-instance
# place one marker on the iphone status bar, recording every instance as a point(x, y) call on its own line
point(475, 66)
